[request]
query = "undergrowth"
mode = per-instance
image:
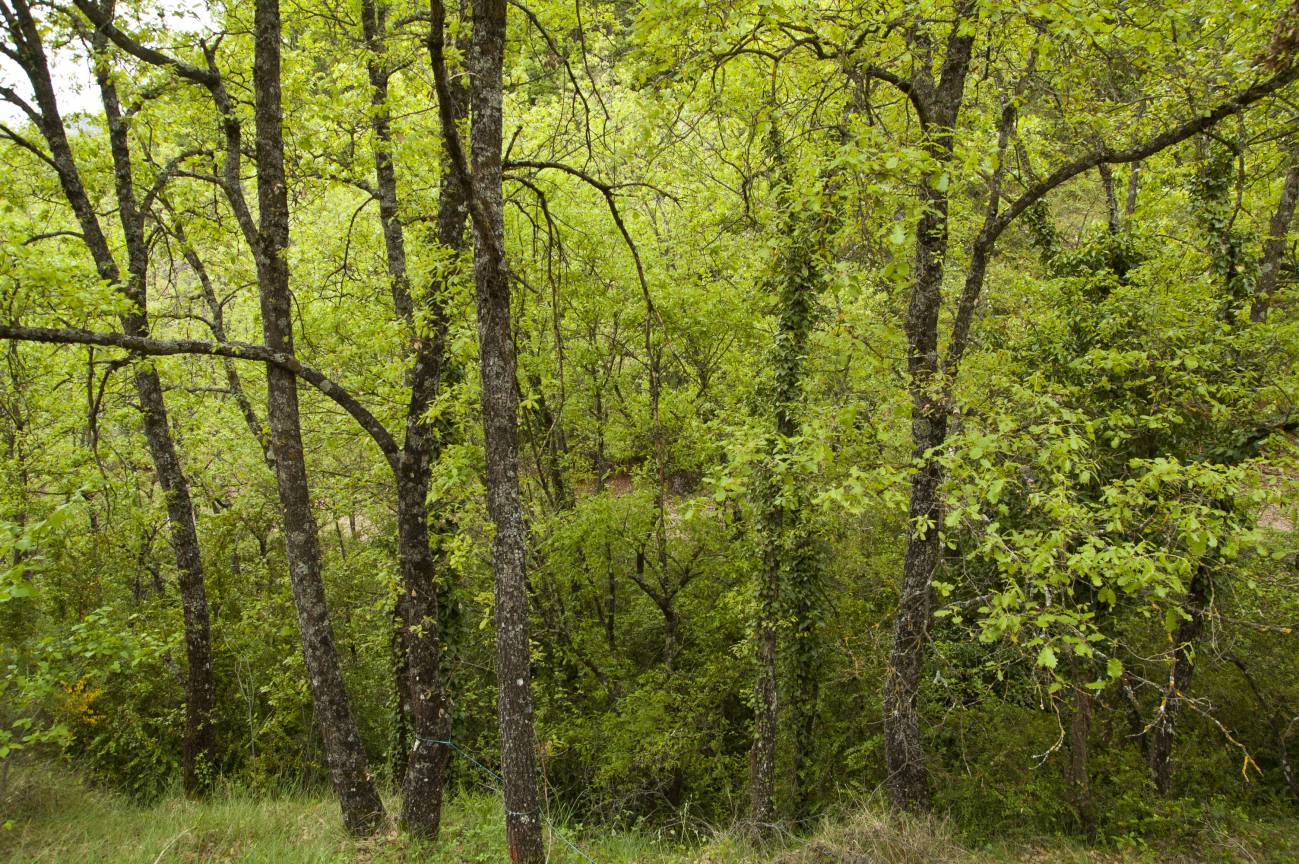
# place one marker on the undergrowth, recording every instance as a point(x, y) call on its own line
point(49, 815)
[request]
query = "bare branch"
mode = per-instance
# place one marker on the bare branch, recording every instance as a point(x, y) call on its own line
point(168, 171)
point(27, 145)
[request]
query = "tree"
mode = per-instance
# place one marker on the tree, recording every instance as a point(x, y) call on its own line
point(268, 239)
point(28, 50)
point(480, 177)
point(931, 398)
point(433, 370)
point(790, 582)
point(839, 412)
point(362, 809)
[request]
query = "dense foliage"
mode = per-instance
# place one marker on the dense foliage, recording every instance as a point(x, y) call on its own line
point(905, 400)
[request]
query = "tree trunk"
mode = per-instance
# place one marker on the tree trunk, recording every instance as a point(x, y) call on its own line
point(766, 708)
point(501, 438)
point(425, 778)
point(399, 750)
point(1269, 266)
point(1180, 670)
point(423, 565)
point(198, 760)
point(908, 781)
point(1076, 774)
point(373, 27)
point(345, 753)
point(790, 580)
point(200, 685)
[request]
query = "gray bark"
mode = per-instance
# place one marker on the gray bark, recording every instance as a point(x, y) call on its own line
point(362, 810)
point(908, 782)
point(1269, 265)
point(500, 409)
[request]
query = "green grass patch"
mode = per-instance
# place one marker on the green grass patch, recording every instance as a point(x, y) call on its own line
point(50, 816)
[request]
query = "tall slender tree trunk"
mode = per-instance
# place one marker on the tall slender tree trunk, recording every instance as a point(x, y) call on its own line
point(345, 753)
point(200, 685)
point(197, 757)
point(399, 749)
point(423, 564)
point(1269, 265)
point(501, 438)
point(790, 579)
point(908, 780)
point(426, 765)
point(198, 761)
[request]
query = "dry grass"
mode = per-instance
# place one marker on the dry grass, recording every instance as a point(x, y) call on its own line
point(869, 836)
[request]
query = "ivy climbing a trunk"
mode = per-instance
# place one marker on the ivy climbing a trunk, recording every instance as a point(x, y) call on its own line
point(789, 586)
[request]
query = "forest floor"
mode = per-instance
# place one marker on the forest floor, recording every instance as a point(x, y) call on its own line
point(48, 815)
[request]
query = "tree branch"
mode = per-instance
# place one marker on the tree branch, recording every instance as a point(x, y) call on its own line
point(102, 19)
point(234, 350)
point(6, 132)
point(609, 192)
point(981, 249)
point(1137, 152)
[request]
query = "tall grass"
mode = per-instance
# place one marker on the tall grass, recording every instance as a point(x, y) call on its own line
point(50, 816)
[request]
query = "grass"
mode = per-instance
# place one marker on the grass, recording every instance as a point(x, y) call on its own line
point(50, 816)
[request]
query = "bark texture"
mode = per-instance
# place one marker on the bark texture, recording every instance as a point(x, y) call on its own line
point(908, 782)
point(423, 561)
point(349, 771)
point(1080, 727)
point(500, 431)
point(1269, 265)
